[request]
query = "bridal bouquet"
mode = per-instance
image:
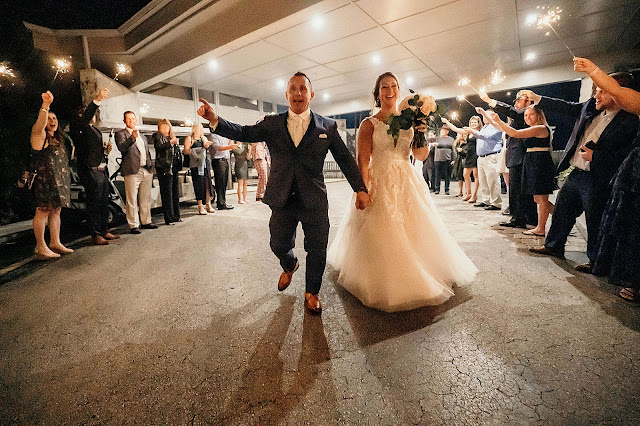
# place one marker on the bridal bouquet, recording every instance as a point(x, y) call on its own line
point(414, 111)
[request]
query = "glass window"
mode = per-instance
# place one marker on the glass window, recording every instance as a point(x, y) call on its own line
point(267, 107)
point(238, 101)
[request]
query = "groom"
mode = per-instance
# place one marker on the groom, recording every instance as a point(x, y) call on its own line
point(298, 141)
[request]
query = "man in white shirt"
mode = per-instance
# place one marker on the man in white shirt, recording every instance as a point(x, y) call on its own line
point(137, 169)
point(599, 143)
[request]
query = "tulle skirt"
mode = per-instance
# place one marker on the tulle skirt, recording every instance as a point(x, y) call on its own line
point(397, 254)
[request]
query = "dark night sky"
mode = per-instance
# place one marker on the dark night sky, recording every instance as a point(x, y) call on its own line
point(73, 13)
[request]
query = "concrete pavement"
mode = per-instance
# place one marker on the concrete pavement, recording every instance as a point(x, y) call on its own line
point(184, 324)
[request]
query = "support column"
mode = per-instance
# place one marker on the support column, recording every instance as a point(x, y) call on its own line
point(85, 50)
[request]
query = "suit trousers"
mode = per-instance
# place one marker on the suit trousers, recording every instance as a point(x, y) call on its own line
point(138, 192)
point(443, 171)
point(489, 180)
point(170, 197)
point(220, 168)
point(315, 224)
point(523, 208)
point(576, 196)
point(96, 188)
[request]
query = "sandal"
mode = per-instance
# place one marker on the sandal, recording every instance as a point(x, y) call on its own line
point(530, 232)
point(628, 294)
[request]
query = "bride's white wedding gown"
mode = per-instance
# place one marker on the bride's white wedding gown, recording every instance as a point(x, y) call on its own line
point(397, 254)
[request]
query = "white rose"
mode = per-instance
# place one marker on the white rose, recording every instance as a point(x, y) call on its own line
point(404, 104)
point(428, 104)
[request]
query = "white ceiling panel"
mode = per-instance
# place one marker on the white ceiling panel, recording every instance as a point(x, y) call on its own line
point(384, 11)
point(326, 83)
point(456, 14)
point(472, 64)
point(331, 26)
point(319, 72)
point(387, 55)
point(232, 83)
point(273, 69)
point(356, 44)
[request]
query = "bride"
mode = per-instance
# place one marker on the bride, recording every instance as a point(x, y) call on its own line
point(397, 254)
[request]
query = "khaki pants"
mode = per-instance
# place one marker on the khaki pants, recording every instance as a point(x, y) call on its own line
point(138, 192)
point(489, 180)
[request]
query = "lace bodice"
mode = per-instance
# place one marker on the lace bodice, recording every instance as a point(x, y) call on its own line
point(383, 142)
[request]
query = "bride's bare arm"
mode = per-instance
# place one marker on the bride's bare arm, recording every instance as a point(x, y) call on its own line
point(364, 149)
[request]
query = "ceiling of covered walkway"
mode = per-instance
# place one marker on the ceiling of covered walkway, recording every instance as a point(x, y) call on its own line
point(249, 48)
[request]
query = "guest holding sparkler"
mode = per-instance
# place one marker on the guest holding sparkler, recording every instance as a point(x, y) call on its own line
point(168, 164)
point(471, 159)
point(538, 170)
point(51, 183)
point(617, 245)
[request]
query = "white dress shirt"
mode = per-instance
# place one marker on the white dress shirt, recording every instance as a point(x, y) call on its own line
point(592, 133)
point(297, 124)
point(140, 145)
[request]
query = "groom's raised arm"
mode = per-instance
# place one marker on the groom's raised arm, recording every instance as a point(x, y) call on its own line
point(222, 127)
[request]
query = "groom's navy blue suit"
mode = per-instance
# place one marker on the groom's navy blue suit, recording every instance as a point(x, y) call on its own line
point(296, 191)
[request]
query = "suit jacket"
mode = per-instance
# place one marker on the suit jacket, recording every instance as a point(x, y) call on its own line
point(87, 139)
point(612, 147)
point(130, 153)
point(297, 169)
point(515, 147)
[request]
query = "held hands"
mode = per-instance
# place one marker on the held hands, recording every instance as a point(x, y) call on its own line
point(584, 65)
point(362, 200)
point(102, 94)
point(173, 141)
point(47, 99)
point(206, 111)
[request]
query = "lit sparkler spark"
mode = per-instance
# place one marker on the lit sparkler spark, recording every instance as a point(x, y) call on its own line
point(62, 66)
point(551, 17)
point(497, 77)
point(462, 98)
point(466, 82)
point(121, 69)
point(6, 71)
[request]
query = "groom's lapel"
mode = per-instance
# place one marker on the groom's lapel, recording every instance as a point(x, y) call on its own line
point(311, 130)
point(283, 122)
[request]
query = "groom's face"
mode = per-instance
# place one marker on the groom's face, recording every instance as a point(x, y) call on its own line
point(299, 94)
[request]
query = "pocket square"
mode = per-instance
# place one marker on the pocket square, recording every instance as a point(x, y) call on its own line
point(322, 136)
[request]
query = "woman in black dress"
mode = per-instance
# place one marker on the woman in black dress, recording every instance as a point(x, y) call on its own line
point(52, 181)
point(538, 170)
point(618, 241)
point(168, 165)
point(471, 158)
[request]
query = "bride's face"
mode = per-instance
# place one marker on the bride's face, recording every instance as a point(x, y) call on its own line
point(388, 92)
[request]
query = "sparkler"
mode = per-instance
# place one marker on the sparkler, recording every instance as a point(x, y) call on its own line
point(62, 66)
point(462, 98)
point(497, 77)
point(6, 71)
point(549, 18)
point(121, 69)
point(466, 82)
point(454, 116)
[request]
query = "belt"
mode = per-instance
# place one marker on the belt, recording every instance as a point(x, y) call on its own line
point(539, 149)
point(486, 155)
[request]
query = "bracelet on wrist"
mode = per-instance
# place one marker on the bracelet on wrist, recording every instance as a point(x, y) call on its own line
point(595, 70)
point(45, 110)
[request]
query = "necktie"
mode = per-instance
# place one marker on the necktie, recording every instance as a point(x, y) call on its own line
point(297, 132)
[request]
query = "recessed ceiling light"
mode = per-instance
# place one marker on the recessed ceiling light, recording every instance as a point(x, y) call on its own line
point(280, 83)
point(508, 93)
point(317, 22)
point(376, 59)
point(213, 65)
point(326, 96)
point(530, 56)
point(409, 80)
point(532, 19)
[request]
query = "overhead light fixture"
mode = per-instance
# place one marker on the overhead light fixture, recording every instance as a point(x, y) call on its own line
point(376, 59)
point(410, 80)
point(280, 83)
point(508, 93)
point(317, 22)
point(530, 56)
point(326, 96)
point(213, 65)
point(532, 19)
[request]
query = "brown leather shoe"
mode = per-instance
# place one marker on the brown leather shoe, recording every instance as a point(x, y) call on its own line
point(99, 240)
point(110, 236)
point(312, 303)
point(585, 267)
point(286, 277)
point(547, 251)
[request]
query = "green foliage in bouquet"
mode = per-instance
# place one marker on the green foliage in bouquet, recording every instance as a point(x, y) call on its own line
point(414, 110)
